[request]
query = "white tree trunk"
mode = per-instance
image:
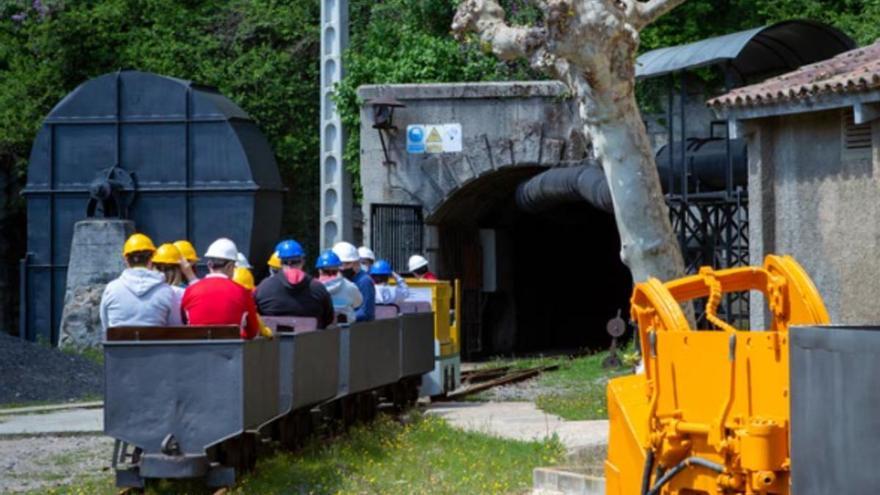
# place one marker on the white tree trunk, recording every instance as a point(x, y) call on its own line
point(612, 119)
point(591, 46)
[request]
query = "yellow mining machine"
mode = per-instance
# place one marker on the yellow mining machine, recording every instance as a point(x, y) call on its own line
point(710, 414)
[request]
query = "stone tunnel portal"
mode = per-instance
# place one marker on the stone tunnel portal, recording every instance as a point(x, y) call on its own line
point(530, 282)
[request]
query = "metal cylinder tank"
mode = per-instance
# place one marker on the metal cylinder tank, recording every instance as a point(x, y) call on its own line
point(179, 159)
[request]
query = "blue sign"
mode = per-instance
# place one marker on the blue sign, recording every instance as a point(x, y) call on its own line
point(415, 139)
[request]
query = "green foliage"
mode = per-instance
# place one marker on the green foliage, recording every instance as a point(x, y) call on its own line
point(408, 41)
point(420, 455)
point(575, 391)
point(261, 53)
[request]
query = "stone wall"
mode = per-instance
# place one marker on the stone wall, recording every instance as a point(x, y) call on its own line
point(95, 260)
point(504, 125)
point(810, 199)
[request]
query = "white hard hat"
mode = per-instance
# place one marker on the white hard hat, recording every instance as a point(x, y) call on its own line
point(366, 253)
point(222, 249)
point(417, 261)
point(241, 261)
point(346, 252)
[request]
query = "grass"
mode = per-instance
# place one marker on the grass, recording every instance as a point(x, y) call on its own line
point(423, 455)
point(576, 391)
point(94, 354)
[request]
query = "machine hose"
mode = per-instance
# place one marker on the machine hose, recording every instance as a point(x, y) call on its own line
point(565, 185)
point(690, 461)
point(646, 472)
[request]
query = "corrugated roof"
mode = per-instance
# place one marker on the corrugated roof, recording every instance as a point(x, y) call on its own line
point(850, 72)
point(754, 52)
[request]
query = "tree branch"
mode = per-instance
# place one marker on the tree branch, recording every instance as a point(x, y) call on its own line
point(486, 18)
point(649, 11)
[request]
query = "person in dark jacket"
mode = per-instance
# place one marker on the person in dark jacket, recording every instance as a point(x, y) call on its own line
point(292, 292)
point(351, 269)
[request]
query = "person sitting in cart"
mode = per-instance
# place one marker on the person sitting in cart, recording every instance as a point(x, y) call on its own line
point(293, 292)
point(418, 266)
point(217, 299)
point(351, 269)
point(367, 258)
point(385, 293)
point(139, 297)
point(188, 266)
point(346, 296)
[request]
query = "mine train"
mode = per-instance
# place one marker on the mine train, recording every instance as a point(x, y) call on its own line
point(199, 401)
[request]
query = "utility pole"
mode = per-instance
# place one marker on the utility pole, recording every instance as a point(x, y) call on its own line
point(336, 196)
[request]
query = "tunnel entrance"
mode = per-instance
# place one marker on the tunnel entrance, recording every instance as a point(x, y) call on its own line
point(530, 282)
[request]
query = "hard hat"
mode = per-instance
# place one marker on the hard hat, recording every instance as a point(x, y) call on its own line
point(222, 249)
point(243, 277)
point(187, 250)
point(328, 259)
point(289, 249)
point(167, 254)
point(274, 261)
point(381, 267)
point(346, 252)
point(417, 261)
point(242, 262)
point(366, 253)
point(138, 243)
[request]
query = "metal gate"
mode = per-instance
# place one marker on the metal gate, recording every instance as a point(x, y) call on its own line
point(396, 233)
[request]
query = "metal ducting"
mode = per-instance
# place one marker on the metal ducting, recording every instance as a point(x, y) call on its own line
point(565, 185)
point(706, 161)
point(179, 159)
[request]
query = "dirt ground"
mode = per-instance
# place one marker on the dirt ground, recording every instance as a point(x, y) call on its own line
point(35, 463)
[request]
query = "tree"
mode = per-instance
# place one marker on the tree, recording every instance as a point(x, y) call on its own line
point(591, 46)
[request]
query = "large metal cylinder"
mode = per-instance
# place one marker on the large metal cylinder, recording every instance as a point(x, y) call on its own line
point(179, 159)
point(565, 185)
point(705, 163)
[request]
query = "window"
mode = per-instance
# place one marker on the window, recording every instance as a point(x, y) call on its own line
point(856, 138)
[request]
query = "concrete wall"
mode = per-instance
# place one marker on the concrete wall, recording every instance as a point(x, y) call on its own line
point(504, 125)
point(810, 199)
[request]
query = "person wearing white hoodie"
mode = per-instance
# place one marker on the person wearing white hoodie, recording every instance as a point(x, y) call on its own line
point(139, 297)
point(388, 294)
point(345, 294)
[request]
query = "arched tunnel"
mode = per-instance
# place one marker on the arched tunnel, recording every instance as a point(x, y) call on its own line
point(531, 281)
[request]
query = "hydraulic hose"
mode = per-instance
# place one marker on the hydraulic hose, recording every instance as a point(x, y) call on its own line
point(690, 461)
point(646, 471)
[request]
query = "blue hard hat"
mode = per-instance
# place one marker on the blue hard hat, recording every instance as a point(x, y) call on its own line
point(289, 249)
point(328, 259)
point(381, 267)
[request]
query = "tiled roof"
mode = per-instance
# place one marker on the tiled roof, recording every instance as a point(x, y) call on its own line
point(850, 72)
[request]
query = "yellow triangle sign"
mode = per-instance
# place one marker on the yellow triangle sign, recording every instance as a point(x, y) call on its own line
point(434, 136)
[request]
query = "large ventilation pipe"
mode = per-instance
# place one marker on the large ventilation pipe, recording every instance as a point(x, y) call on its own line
point(706, 166)
point(565, 185)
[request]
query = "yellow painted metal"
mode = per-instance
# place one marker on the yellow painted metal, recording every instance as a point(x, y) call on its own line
point(443, 293)
point(720, 394)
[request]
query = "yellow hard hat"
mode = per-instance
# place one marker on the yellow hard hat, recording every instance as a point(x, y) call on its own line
point(275, 261)
point(244, 278)
point(167, 254)
point(138, 243)
point(187, 251)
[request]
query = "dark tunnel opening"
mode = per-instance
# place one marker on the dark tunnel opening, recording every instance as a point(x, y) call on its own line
point(531, 282)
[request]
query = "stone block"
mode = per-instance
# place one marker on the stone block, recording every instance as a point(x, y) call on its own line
point(95, 260)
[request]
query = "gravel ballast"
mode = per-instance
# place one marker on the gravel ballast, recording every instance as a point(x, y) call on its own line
point(31, 372)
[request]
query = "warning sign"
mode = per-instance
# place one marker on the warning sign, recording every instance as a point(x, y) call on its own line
point(435, 140)
point(440, 138)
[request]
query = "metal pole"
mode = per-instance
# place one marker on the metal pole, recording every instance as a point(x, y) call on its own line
point(336, 197)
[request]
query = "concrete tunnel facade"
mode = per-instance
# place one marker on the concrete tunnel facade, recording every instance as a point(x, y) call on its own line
point(530, 281)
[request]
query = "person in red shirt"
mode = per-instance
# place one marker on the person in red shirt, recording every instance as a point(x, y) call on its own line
point(418, 267)
point(217, 299)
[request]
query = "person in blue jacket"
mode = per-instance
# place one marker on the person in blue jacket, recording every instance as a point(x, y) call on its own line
point(351, 269)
